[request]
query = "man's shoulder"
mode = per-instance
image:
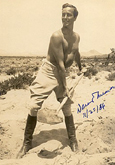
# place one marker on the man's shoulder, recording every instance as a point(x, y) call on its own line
point(56, 36)
point(77, 36)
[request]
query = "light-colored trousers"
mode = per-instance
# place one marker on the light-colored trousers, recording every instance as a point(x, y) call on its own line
point(46, 81)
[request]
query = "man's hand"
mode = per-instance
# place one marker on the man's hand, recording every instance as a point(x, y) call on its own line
point(82, 71)
point(68, 93)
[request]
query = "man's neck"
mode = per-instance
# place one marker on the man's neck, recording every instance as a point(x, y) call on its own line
point(67, 31)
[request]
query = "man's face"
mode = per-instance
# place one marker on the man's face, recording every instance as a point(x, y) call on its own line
point(68, 16)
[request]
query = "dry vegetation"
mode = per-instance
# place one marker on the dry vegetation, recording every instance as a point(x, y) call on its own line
point(13, 65)
point(22, 70)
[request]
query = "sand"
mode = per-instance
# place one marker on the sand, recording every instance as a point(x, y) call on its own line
point(95, 133)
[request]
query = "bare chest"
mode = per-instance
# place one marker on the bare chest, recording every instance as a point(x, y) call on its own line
point(69, 46)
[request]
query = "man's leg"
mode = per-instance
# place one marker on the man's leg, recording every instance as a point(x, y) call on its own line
point(69, 122)
point(29, 130)
point(35, 104)
point(28, 134)
point(40, 89)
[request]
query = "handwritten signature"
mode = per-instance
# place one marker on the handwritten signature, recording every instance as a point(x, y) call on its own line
point(96, 95)
point(95, 109)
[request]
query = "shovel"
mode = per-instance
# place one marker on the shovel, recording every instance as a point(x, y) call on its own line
point(51, 116)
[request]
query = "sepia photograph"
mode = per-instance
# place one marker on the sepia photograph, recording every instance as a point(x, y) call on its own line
point(57, 82)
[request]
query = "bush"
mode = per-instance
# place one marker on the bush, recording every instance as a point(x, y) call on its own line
point(36, 68)
point(111, 76)
point(91, 72)
point(11, 71)
point(17, 82)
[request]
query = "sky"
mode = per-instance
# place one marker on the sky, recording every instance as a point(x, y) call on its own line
point(26, 25)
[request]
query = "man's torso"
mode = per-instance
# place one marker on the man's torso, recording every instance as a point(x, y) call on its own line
point(69, 45)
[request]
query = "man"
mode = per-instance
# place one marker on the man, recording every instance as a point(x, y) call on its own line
point(63, 50)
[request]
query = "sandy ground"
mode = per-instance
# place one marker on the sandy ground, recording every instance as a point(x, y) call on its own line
point(95, 132)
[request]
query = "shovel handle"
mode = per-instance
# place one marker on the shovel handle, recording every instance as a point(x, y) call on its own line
point(66, 98)
point(62, 103)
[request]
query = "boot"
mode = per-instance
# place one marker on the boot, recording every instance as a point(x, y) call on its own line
point(28, 135)
point(71, 132)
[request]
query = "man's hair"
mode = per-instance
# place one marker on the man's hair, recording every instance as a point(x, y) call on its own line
point(69, 5)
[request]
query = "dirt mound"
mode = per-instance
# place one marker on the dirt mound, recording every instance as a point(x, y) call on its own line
point(49, 116)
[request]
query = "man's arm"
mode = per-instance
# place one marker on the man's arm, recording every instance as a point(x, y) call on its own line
point(77, 54)
point(57, 50)
point(77, 59)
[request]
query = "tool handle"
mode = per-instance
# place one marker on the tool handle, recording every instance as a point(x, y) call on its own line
point(66, 98)
point(62, 104)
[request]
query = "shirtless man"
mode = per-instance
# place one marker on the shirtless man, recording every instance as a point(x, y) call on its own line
point(63, 50)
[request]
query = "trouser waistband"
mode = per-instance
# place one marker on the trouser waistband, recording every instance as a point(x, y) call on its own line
point(48, 62)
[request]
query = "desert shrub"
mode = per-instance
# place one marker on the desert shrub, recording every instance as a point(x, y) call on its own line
point(28, 68)
point(84, 65)
point(106, 63)
point(111, 76)
point(31, 68)
point(35, 68)
point(11, 71)
point(13, 62)
point(16, 82)
point(108, 69)
point(91, 72)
